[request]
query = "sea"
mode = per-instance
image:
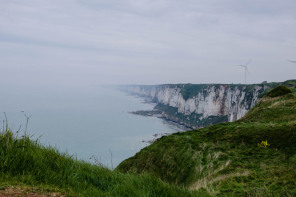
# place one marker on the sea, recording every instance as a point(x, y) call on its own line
point(90, 123)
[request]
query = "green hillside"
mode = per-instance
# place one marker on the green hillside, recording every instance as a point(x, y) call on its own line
point(28, 167)
point(254, 156)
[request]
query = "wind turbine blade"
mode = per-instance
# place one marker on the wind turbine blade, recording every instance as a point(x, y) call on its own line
point(248, 62)
point(241, 66)
point(292, 61)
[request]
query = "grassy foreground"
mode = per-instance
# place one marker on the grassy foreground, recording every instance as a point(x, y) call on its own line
point(25, 163)
point(255, 156)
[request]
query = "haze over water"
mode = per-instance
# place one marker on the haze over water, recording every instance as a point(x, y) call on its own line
point(83, 121)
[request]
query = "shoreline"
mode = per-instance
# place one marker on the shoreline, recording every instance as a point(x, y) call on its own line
point(156, 113)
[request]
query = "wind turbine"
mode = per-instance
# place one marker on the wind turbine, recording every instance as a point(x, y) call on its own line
point(246, 69)
point(292, 61)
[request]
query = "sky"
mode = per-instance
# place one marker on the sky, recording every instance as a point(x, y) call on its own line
point(90, 42)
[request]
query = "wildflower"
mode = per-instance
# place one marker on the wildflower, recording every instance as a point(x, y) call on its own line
point(263, 144)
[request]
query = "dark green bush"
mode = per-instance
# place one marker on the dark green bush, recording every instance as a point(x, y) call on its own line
point(279, 91)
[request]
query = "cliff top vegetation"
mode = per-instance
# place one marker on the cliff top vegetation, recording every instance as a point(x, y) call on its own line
point(190, 90)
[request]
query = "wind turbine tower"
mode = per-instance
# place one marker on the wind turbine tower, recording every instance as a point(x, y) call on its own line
point(246, 69)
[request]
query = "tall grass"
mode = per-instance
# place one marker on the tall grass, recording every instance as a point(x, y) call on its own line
point(28, 162)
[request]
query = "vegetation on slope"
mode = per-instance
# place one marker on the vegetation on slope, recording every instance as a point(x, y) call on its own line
point(279, 91)
point(254, 156)
point(24, 163)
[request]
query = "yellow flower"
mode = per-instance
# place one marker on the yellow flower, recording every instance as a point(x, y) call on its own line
point(264, 144)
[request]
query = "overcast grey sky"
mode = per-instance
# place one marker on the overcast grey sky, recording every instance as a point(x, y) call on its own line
point(74, 42)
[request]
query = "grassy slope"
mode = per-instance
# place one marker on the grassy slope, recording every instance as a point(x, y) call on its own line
point(24, 162)
point(225, 159)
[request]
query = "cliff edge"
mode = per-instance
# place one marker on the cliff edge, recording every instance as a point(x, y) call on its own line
point(200, 105)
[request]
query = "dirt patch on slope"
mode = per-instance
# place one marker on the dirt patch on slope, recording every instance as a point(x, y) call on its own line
point(12, 191)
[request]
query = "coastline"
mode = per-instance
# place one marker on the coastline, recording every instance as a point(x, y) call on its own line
point(162, 115)
point(158, 112)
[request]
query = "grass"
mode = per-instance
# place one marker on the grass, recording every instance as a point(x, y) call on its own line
point(225, 159)
point(27, 163)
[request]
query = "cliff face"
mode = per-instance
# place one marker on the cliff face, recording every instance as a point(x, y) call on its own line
point(196, 105)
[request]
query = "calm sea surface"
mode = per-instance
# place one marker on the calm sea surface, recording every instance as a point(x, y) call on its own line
point(86, 122)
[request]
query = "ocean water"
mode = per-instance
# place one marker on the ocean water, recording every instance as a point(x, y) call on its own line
point(91, 123)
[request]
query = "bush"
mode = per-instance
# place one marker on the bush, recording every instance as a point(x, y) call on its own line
point(279, 91)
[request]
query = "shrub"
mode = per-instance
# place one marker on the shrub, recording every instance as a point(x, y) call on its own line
point(279, 91)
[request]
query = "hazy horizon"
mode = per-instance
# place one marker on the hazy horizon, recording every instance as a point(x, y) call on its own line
point(81, 43)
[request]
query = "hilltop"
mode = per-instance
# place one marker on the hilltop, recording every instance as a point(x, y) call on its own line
point(254, 156)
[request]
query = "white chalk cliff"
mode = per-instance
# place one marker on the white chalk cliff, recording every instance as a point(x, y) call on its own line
point(233, 101)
